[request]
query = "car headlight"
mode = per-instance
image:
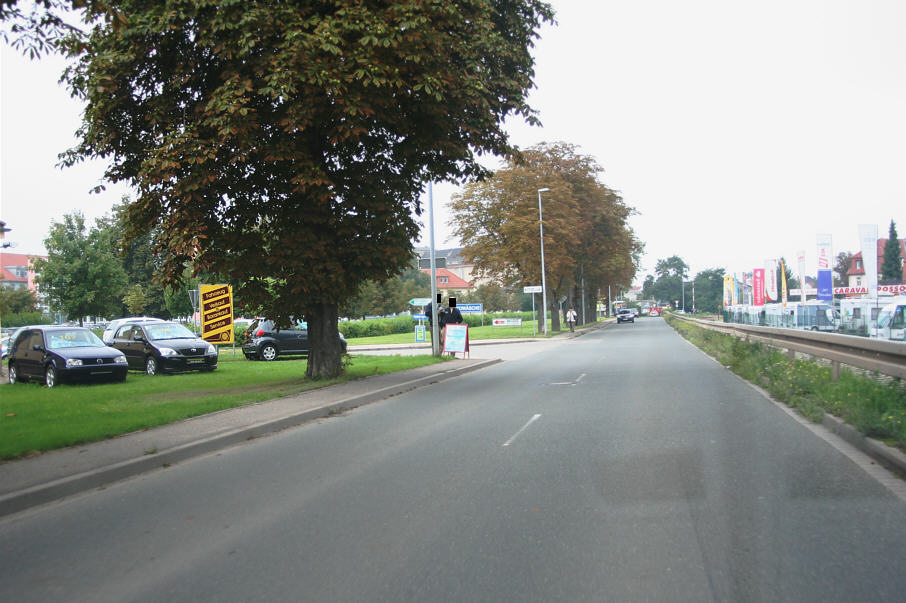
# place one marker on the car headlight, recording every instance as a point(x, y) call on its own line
point(212, 351)
point(168, 352)
point(71, 362)
point(120, 360)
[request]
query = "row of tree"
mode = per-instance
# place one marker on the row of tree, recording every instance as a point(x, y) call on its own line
point(588, 243)
point(98, 271)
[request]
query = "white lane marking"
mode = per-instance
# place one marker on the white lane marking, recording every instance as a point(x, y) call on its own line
point(579, 378)
point(524, 427)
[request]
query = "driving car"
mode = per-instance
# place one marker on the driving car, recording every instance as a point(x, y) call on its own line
point(113, 325)
point(167, 347)
point(59, 354)
point(625, 315)
point(263, 341)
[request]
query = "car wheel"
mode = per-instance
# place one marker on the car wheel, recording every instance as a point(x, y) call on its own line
point(13, 374)
point(814, 328)
point(50, 376)
point(151, 366)
point(268, 352)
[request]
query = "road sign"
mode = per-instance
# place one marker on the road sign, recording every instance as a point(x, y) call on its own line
point(420, 301)
point(420, 316)
point(471, 308)
point(532, 289)
point(425, 263)
point(216, 313)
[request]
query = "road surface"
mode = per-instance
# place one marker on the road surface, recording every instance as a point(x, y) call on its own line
point(623, 465)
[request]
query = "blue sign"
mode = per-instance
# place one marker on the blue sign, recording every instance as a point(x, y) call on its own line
point(825, 286)
point(471, 308)
point(420, 334)
point(420, 316)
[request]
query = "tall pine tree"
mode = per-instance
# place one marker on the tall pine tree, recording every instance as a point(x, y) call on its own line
point(892, 266)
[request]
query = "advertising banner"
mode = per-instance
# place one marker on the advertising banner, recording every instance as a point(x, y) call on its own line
point(770, 281)
point(728, 290)
point(456, 338)
point(783, 299)
point(825, 252)
point(825, 285)
point(216, 313)
point(868, 243)
point(800, 259)
point(758, 286)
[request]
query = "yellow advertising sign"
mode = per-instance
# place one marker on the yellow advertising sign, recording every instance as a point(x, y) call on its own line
point(216, 313)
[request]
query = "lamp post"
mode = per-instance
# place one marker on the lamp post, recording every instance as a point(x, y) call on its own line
point(3, 231)
point(543, 280)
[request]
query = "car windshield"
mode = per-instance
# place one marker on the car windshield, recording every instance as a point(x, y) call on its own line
point(168, 330)
point(73, 338)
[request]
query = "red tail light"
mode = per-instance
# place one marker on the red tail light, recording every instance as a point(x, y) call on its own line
point(259, 333)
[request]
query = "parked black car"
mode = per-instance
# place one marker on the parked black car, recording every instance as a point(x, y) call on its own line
point(167, 347)
point(264, 342)
point(57, 354)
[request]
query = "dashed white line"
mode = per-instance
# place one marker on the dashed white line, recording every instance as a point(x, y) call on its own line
point(524, 427)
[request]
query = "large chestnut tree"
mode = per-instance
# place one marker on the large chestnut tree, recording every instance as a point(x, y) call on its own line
point(284, 145)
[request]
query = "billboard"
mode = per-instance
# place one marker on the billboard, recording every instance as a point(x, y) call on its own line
point(216, 313)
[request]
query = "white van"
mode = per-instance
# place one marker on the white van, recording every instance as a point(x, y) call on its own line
point(892, 320)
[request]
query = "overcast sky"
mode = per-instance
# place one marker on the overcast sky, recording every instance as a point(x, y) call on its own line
point(737, 130)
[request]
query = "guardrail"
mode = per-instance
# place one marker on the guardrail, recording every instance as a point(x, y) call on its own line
point(885, 357)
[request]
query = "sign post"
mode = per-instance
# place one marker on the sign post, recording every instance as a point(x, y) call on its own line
point(533, 289)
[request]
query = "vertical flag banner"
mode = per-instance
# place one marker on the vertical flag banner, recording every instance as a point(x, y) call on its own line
point(783, 284)
point(758, 286)
point(800, 257)
point(770, 280)
point(735, 290)
point(216, 313)
point(825, 252)
point(868, 242)
point(728, 290)
point(825, 277)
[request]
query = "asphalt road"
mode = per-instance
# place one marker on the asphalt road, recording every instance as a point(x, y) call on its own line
point(623, 465)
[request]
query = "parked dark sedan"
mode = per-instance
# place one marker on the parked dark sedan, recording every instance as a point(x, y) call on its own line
point(264, 342)
point(167, 347)
point(57, 354)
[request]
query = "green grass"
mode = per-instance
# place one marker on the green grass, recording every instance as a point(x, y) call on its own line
point(876, 409)
point(34, 418)
point(475, 334)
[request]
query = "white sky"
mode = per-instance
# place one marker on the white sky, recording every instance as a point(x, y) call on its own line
point(738, 130)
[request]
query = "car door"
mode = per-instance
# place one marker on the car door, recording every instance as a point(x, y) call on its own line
point(124, 341)
point(287, 339)
point(27, 358)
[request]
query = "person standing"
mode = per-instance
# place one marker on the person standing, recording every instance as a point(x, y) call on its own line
point(571, 319)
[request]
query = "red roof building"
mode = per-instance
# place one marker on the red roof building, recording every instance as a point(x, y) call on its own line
point(447, 282)
point(856, 273)
point(17, 271)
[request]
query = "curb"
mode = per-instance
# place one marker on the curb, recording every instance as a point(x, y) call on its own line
point(888, 456)
point(74, 484)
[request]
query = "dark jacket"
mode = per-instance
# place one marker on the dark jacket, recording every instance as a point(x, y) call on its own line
point(454, 316)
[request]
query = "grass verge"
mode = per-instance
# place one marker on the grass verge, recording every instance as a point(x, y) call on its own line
point(528, 329)
point(876, 409)
point(34, 418)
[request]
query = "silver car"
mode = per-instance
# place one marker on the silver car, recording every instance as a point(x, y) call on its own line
point(110, 331)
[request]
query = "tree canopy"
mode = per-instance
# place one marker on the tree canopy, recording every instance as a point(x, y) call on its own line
point(285, 145)
point(586, 235)
point(81, 275)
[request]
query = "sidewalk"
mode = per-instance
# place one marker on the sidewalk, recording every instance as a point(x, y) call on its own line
point(26, 483)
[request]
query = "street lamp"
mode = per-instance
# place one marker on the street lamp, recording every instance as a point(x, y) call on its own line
point(543, 280)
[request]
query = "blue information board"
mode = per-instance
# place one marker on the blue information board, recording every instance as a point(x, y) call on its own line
point(471, 308)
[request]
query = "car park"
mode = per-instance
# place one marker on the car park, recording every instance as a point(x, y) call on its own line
point(625, 315)
point(114, 325)
point(263, 341)
point(60, 354)
point(164, 347)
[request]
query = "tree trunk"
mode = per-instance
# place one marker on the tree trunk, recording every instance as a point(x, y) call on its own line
point(325, 356)
point(555, 313)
